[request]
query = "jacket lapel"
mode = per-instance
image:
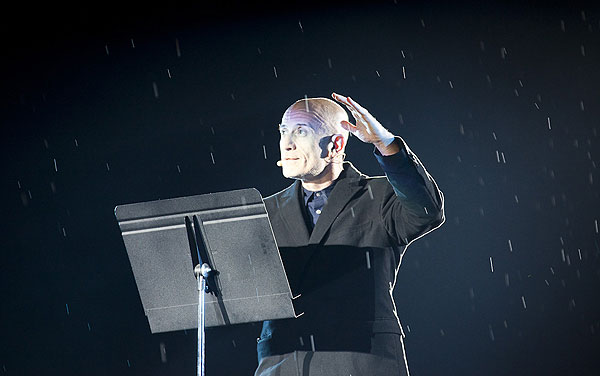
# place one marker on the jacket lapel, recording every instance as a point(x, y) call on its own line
point(346, 187)
point(291, 213)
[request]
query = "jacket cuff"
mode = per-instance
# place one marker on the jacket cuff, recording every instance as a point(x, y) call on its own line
point(395, 162)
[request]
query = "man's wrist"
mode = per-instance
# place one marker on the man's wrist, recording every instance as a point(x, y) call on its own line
point(389, 146)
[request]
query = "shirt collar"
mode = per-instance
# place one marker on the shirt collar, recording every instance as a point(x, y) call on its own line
point(325, 191)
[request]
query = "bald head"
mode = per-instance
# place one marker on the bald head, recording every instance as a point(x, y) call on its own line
point(312, 141)
point(323, 114)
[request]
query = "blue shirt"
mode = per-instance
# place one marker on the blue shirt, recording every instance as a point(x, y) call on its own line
point(314, 203)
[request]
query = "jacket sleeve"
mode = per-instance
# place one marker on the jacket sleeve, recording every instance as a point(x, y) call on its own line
point(412, 204)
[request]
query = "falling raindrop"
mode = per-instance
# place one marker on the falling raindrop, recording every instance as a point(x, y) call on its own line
point(177, 49)
point(163, 352)
point(155, 88)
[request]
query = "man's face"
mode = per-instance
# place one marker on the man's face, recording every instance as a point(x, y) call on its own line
point(302, 144)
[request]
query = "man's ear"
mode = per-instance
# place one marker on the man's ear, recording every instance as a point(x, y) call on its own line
point(338, 142)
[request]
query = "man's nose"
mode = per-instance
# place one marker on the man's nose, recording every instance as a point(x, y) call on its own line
point(287, 143)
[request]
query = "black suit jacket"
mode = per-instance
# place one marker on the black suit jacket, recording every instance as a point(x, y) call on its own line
point(343, 273)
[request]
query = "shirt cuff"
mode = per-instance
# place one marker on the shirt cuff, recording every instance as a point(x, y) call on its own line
point(395, 162)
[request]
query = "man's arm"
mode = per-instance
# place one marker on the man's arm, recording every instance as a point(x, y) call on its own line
point(414, 205)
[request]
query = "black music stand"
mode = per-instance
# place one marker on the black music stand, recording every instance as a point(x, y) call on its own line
point(205, 260)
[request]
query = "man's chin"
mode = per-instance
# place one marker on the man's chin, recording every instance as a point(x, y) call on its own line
point(299, 175)
point(291, 174)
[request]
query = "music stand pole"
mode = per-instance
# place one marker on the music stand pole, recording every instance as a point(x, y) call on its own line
point(201, 273)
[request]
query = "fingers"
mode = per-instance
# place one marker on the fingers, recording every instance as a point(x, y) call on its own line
point(348, 126)
point(353, 110)
point(339, 98)
point(363, 111)
point(343, 100)
point(351, 104)
point(358, 117)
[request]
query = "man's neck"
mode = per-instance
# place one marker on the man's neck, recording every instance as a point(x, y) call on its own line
point(324, 180)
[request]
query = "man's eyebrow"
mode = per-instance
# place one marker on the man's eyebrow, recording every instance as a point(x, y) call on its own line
point(297, 124)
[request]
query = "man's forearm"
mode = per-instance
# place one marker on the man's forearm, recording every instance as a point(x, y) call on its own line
point(408, 176)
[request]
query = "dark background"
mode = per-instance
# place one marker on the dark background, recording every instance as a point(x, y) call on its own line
point(106, 104)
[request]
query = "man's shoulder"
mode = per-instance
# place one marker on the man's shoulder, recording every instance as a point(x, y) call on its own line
point(377, 185)
point(367, 179)
point(275, 196)
point(355, 175)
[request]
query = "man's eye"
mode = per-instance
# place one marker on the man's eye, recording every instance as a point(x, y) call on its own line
point(301, 132)
point(281, 131)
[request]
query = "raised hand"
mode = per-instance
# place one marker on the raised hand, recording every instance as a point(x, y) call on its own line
point(367, 128)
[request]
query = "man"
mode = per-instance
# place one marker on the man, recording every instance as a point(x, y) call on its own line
point(341, 236)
